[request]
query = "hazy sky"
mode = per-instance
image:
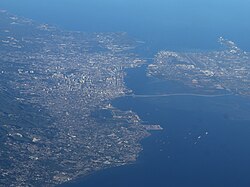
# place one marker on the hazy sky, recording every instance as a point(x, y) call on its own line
point(152, 20)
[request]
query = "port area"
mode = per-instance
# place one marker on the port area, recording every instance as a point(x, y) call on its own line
point(153, 127)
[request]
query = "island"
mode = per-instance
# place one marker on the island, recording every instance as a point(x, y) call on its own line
point(223, 71)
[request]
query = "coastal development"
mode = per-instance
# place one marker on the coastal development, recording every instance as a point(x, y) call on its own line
point(225, 71)
point(56, 120)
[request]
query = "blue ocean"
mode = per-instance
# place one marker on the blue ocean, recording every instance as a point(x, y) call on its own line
point(205, 141)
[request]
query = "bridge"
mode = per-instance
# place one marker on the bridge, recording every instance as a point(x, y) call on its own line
point(178, 94)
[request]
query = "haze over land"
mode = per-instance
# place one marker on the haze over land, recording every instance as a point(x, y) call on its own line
point(51, 82)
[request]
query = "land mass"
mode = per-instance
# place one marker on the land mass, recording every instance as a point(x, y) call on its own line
point(56, 123)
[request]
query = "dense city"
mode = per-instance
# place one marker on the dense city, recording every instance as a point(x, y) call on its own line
point(55, 86)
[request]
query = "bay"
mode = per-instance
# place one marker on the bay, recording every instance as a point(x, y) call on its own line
point(204, 141)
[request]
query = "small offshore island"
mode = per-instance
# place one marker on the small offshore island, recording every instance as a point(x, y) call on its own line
point(224, 71)
point(55, 88)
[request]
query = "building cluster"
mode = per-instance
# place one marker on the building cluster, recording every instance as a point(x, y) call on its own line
point(222, 71)
point(51, 82)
